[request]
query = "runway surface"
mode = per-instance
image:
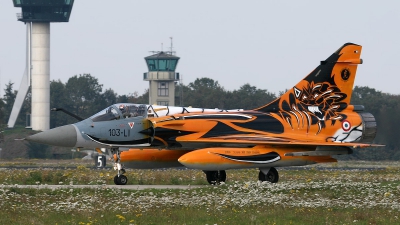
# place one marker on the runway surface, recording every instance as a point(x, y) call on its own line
point(127, 187)
point(278, 168)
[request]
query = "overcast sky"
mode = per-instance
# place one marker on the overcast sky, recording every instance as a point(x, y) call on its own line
point(268, 44)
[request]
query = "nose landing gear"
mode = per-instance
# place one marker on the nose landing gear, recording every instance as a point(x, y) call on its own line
point(119, 179)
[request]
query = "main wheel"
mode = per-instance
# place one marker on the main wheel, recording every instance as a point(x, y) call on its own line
point(215, 177)
point(272, 176)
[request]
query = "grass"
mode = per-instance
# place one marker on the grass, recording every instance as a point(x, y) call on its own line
point(47, 163)
point(307, 196)
point(181, 215)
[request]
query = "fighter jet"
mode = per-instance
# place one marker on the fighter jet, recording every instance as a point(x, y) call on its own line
point(309, 124)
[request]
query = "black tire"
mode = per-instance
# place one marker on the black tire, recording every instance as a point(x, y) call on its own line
point(272, 176)
point(215, 177)
point(122, 180)
point(116, 180)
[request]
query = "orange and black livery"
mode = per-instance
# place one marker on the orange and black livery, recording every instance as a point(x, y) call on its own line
point(310, 123)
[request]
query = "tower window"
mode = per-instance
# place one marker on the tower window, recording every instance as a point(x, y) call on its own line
point(163, 89)
point(162, 64)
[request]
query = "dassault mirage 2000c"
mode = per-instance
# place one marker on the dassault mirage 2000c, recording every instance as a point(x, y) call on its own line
point(309, 124)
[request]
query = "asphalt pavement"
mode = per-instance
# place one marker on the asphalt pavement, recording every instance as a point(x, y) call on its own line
point(127, 187)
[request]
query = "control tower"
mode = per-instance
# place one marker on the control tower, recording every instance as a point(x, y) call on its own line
point(37, 15)
point(161, 77)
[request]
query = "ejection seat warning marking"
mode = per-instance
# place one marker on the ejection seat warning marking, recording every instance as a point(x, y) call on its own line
point(131, 124)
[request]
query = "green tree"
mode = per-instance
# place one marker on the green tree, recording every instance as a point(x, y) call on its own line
point(249, 97)
point(135, 98)
point(107, 98)
point(59, 99)
point(206, 93)
point(84, 91)
point(8, 98)
point(144, 98)
point(370, 98)
point(182, 93)
point(2, 119)
point(123, 98)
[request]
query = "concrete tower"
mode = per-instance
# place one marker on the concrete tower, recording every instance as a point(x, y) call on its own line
point(162, 78)
point(37, 15)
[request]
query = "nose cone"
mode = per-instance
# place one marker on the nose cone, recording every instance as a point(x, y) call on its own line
point(64, 136)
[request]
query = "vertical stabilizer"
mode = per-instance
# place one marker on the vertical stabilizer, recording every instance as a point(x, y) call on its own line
point(331, 81)
point(323, 94)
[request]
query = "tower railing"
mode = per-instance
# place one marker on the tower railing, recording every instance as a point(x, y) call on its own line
point(160, 75)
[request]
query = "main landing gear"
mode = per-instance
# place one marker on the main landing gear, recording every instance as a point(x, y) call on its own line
point(215, 177)
point(268, 174)
point(119, 179)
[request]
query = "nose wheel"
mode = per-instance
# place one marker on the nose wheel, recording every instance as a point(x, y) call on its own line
point(119, 179)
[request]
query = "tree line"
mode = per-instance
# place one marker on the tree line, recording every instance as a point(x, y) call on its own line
point(84, 96)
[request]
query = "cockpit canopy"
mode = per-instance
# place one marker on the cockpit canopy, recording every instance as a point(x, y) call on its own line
point(120, 111)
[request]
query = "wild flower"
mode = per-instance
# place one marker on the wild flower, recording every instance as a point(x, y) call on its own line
point(120, 217)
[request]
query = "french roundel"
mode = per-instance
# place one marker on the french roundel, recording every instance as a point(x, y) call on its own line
point(346, 126)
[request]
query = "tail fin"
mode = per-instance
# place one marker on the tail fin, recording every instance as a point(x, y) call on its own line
point(323, 94)
point(330, 84)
